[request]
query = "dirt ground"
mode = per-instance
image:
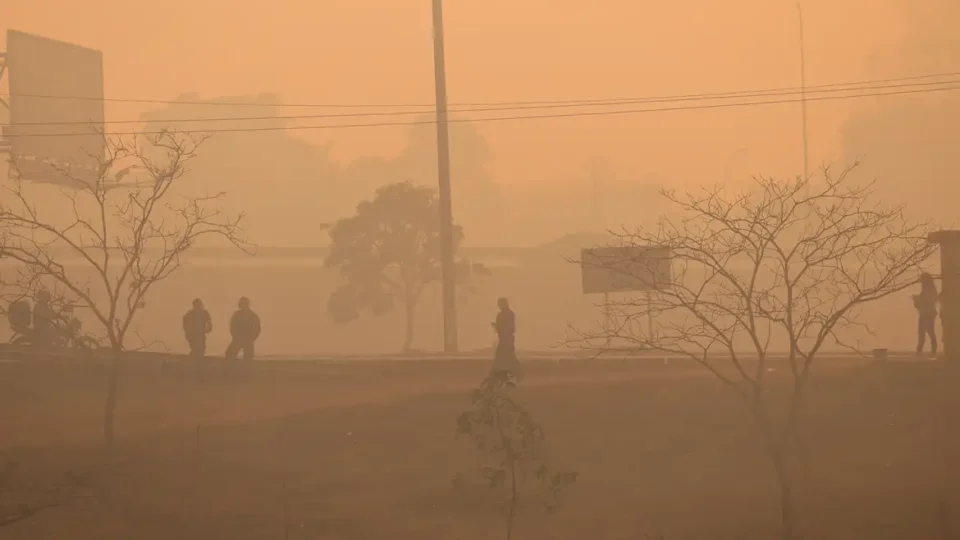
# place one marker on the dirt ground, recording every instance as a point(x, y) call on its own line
point(367, 451)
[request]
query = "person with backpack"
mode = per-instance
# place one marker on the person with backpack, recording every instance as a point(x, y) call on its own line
point(244, 331)
point(196, 325)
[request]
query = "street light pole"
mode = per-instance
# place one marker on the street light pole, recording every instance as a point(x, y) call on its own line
point(443, 173)
point(803, 96)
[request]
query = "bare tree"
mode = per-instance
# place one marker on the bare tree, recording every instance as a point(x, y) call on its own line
point(786, 263)
point(126, 237)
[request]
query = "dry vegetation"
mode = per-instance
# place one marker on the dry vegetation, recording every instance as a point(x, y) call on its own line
point(368, 451)
point(782, 266)
point(128, 236)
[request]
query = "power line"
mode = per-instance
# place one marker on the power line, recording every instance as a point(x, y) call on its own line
point(634, 101)
point(507, 118)
point(477, 104)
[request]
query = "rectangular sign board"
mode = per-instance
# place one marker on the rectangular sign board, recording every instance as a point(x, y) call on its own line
point(625, 269)
point(43, 171)
point(56, 103)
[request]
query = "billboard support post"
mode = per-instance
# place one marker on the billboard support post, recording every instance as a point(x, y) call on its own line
point(607, 316)
point(3, 71)
point(4, 144)
point(607, 319)
point(650, 313)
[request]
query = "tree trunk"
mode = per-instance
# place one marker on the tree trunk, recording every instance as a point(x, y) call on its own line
point(110, 409)
point(787, 503)
point(512, 509)
point(409, 305)
point(777, 450)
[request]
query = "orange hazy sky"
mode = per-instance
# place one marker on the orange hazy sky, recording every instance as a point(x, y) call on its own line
point(380, 51)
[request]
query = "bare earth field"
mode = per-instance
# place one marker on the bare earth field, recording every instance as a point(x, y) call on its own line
point(367, 451)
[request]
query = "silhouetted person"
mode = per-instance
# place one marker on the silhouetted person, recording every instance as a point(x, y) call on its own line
point(20, 316)
point(505, 357)
point(196, 325)
point(244, 330)
point(44, 320)
point(926, 304)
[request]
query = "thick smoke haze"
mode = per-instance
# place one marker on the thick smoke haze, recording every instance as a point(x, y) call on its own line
point(274, 335)
point(909, 145)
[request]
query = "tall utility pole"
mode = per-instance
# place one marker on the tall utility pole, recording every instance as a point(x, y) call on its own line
point(803, 96)
point(443, 173)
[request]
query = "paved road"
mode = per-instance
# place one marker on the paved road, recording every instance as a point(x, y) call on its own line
point(559, 356)
point(16, 354)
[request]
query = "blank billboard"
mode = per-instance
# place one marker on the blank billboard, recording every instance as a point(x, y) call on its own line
point(625, 269)
point(56, 105)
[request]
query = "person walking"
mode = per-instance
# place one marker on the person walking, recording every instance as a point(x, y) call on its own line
point(196, 325)
point(505, 357)
point(926, 304)
point(244, 331)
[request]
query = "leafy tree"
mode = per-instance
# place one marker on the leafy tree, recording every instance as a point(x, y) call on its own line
point(389, 250)
point(513, 447)
point(478, 195)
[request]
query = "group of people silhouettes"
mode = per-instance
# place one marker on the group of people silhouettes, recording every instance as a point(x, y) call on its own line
point(244, 330)
point(245, 326)
point(38, 322)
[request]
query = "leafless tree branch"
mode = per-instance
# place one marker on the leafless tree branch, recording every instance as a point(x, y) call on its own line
point(125, 237)
point(788, 263)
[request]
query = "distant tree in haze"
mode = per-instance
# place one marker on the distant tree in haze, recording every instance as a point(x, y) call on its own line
point(388, 251)
point(478, 201)
point(106, 244)
point(260, 169)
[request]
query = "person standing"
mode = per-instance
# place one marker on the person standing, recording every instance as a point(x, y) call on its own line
point(926, 304)
point(505, 357)
point(44, 320)
point(196, 325)
point(244, 331)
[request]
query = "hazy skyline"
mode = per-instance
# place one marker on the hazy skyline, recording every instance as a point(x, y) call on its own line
point(379, 52)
